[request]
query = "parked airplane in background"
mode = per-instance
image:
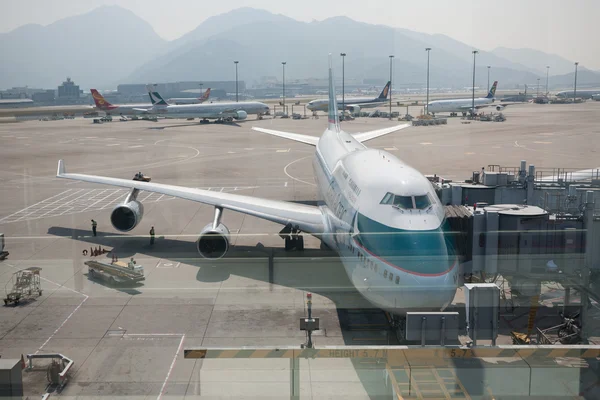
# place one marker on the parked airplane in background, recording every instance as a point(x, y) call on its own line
point(380, 215)
point(111, 109)
point(219, 111)
point(352, 104)
point(465, 105)
point(190, 100)
point(581, 94)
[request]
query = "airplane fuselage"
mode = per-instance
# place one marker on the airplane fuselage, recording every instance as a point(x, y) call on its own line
point(323, 104)
point(212, 110)
point(397, 256)
point(456, 105)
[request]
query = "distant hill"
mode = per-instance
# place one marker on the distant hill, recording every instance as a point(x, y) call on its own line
point(585, 78)
point(261, 40)
point(536, 60)
point(111, 45)
point(94, 49)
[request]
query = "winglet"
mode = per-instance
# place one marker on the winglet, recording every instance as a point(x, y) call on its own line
point(61, 168)
point(334, 121)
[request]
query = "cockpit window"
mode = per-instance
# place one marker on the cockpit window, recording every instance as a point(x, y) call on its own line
point(388, 198)
point(422, 202)
point(403, 201)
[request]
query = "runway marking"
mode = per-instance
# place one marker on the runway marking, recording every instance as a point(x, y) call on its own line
point(249, 148)
point(426, 143)
point(518, 145)
point(390, 148)
point(231, 152)
point(296, 179)
point(543, 142)
point(162, 389)
point(283, 150)
point(114, 144)
point(469, 153)
point(33, 205)
point(76, 201)
point(85, 297)
point(136, 147)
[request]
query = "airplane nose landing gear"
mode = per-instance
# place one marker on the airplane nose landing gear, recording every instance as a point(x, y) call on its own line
point(293, 238)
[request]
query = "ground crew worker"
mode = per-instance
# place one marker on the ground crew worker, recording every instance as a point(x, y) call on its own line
point(152, 235)
point(94, 226)
point(131, 264)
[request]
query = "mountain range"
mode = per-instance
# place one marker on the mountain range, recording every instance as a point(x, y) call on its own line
point(95, 53)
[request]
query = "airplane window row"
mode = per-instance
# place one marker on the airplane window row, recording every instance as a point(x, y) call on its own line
point(391, 276)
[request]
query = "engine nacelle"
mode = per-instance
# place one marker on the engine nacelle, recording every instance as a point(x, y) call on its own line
point(213, 243)
point(240, 115)
point(353, 109)
point(500, 108)
point(126, 216)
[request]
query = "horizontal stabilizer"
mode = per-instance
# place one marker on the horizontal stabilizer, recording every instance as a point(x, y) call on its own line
point(312, 140)
point(363, 137)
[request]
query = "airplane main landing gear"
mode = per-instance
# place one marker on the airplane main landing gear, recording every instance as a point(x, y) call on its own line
point(292, 237)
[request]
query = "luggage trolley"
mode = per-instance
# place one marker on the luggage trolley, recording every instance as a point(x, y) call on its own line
point(25, 285)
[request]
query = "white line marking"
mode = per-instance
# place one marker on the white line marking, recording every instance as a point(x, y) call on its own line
point(70, 315)
point(162, 389)
point(285, 184)
point(135, 147)
point(98, 201)
point(114, 144)
point(426, 143)
point(296, 179)
point(68, 190)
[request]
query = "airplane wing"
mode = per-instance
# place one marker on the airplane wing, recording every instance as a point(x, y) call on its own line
point(363, 137)
point(310, 219)
point(312, 140)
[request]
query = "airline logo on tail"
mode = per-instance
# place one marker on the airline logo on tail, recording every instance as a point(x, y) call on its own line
point(205, 96)
point(156, 99)
point(100, 101)
point(385, 91)
point(492, 92)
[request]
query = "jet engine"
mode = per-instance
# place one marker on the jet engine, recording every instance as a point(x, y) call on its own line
point(126, 216)
point(213, 243)
point(241, 114)
point(500, 108)
point(353, 109)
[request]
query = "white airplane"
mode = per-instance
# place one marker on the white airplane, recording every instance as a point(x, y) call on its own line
point(353, 104)
point(465, 106)
point(380, 215)
point(190, 100)
point(220, 111)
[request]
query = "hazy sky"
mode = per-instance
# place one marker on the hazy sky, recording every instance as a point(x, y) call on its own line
point(566, 28)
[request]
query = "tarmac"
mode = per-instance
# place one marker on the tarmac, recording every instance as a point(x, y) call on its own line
point(127, 341)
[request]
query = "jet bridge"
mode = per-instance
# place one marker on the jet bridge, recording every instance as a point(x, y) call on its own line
point(528, 227)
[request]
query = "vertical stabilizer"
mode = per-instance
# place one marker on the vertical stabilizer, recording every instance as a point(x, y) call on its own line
point(334, 120)
point(492, 92)
point(99, 100)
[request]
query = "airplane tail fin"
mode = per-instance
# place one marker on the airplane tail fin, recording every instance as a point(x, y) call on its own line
point(156, 98)
point(385, 92)
point(333, 117)
point(205, 96)
point(492, 92)
point(99, 100)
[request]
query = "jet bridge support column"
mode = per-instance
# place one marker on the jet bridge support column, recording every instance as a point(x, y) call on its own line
point(588, 221)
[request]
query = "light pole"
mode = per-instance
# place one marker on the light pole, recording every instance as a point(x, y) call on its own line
point(475, 52)
point(428, 49)
point(547, 72)
point(283, 66)
point(575, 87)
point(343, 85)
point(391, 58)
point(236, 80)
point(538, 88)
point(489, 66)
